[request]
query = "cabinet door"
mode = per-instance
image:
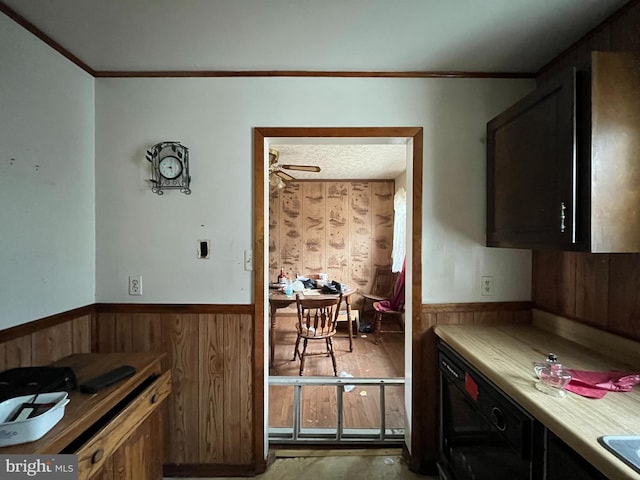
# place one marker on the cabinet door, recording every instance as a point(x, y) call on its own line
point(562, 462)
point(531, 169)
point(130, 441)
point(139, 457)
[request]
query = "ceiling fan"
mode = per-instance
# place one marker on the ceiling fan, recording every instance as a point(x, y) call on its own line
point(276, 170)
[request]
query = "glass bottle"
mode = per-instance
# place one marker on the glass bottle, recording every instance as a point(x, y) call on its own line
point(553, 377)
point(288, 287)
point(282, 278)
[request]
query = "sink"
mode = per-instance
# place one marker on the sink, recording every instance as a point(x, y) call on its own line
point(625, 447)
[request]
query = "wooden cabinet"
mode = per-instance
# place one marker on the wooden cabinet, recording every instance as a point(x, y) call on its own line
point(531, 162)
point(563, 164)
point(117, 432)
point(562, 462)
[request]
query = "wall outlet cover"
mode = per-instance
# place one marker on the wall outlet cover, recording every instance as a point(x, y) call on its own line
point(135, 285)
point(486, 286)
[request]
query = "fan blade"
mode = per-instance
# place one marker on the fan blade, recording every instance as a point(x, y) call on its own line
point(283, 175)
point(302, 168)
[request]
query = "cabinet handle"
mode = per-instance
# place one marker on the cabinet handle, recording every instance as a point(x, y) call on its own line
point(498, 419)
point(563, 209)
point(97, 456)
point(155, 398)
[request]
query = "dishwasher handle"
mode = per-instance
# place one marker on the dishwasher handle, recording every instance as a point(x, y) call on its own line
point(498, 419)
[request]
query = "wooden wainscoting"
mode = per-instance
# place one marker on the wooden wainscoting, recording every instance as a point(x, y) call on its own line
point(208, 428)
point(212, 415)
point(44, 341)
point(600, 290)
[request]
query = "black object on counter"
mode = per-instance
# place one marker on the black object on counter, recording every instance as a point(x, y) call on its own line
point(107, 379)
point(21, 381)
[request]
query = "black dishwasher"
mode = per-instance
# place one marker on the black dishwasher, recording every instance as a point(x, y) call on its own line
point(483, 434)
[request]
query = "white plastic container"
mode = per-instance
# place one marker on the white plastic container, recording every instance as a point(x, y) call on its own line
point(30, 429)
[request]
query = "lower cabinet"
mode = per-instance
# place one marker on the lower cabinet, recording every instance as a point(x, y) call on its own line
point(128, 445)
point(116, 433)
point(562, 462)
point(139, 457)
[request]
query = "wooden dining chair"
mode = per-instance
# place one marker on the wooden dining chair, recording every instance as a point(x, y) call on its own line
point(384, 282)
point(390, 309)
point(317, 321)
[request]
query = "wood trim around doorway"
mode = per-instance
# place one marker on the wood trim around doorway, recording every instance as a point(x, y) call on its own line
point(259, 168)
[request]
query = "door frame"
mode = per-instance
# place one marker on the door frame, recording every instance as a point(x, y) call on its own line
point(415, 134)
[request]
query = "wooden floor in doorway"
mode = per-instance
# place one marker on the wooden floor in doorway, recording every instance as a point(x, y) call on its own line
point(361, 404)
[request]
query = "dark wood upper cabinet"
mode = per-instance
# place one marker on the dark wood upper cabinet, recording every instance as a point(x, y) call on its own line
point(530, 167)
point(563, 164)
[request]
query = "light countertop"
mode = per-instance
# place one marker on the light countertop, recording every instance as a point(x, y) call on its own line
point(505, 355)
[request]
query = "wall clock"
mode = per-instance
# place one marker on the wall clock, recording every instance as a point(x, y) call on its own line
point(169, 167)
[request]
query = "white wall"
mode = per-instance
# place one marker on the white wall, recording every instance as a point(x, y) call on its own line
point(47, 227)
point(55, 253)
point(139, 232)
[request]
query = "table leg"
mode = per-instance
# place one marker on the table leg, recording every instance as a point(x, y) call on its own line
point(272, 336)
point(347, 301)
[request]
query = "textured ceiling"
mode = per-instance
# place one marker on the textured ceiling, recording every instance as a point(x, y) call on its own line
point(347, 162)
point(343, 35)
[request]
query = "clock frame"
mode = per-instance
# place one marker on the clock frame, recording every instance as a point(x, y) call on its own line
point(169, 167)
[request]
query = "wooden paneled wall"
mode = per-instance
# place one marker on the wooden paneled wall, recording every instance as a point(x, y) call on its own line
point(208, 418)
point(208, 425)
point(601, 290)
point(342, 228)
point(47, 340)
point(621, 32)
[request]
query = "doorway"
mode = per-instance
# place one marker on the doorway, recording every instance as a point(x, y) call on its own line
point(263, 137)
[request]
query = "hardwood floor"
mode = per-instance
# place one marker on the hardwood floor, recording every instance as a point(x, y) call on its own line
point(354, 464)
point(361, 404)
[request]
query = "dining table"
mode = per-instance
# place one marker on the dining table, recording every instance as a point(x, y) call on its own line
point(278, 299)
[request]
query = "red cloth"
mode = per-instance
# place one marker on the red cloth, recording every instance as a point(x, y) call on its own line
point(397, 301)
point(597, 384)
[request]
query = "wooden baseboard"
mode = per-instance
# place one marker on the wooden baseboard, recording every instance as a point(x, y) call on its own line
point(420, 465)
point(316, 451)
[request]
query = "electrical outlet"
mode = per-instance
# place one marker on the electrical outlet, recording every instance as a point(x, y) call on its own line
point(248, 260)
point(486, 288)
point(135, 285)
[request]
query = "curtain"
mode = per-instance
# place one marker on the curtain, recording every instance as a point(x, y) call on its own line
point(399, 230)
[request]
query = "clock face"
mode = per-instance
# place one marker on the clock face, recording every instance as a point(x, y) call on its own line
point(170, 167)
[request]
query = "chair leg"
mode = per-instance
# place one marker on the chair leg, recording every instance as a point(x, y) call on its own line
point(333, 357)
point(295, 350)
point(303, 355)
point(378, 326)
